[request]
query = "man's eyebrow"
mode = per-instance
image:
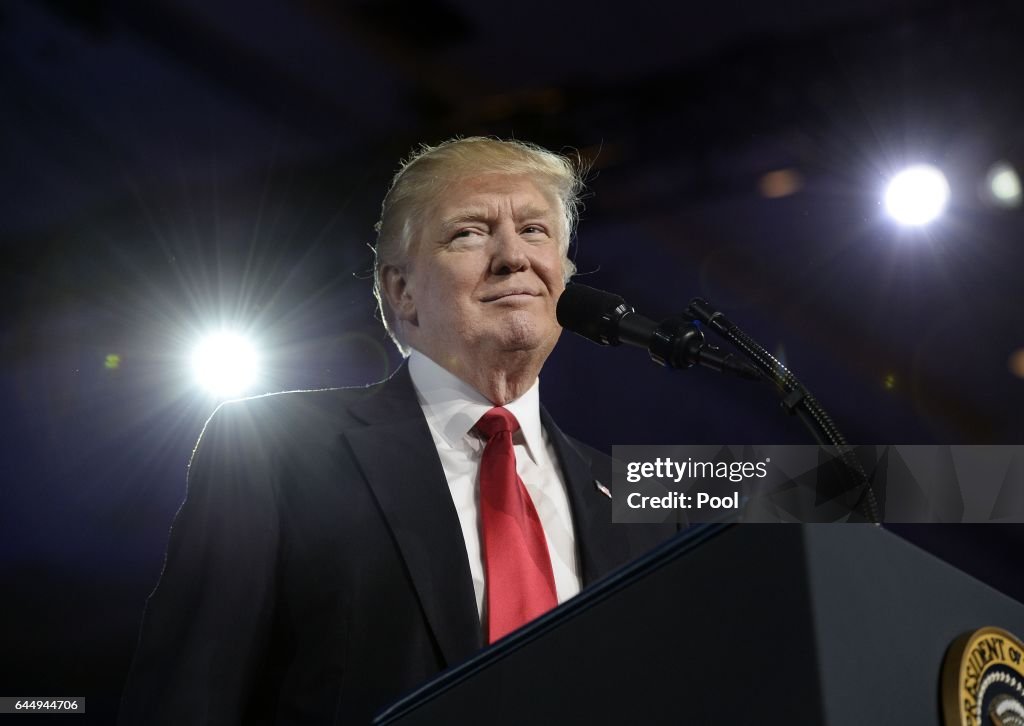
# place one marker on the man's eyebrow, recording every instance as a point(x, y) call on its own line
point(533, 212)
point(485, 215)
point(466, 215)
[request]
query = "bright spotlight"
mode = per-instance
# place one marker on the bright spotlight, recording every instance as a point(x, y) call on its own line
point(1003, 185)
point(225, 364)
point(917, 195)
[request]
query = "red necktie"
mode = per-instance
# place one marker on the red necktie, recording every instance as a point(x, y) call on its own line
point(520, 583)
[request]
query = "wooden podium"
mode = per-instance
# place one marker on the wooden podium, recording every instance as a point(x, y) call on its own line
point(739, 624)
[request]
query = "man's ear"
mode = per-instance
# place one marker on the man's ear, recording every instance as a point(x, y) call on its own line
point(395, 287)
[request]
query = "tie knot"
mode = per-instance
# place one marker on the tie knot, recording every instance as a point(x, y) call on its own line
point(496, 421)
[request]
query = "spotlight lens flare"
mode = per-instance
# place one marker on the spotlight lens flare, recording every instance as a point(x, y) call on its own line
point(917, 195)
point(225, 364)
point(1004, 185)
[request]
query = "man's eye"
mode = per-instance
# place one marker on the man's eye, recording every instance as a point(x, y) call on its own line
point(533, 229)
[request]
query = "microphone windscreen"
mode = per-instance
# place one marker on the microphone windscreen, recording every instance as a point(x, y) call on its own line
point(590, 312)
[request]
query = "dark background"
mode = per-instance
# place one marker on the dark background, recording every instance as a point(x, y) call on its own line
point(174, 167)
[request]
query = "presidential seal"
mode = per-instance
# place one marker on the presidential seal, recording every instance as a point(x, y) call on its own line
point(983, 680)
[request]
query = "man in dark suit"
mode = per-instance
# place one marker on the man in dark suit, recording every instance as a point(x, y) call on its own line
point(338, 547)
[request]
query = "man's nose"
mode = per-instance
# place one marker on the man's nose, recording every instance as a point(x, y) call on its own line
point(510, 252)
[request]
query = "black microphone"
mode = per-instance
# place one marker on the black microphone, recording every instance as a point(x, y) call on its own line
point(607, 319)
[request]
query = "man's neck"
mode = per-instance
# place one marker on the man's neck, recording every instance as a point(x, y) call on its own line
point(500, 386)
point(498, 381)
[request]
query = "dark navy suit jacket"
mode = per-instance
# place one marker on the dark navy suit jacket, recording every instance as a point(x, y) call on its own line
point(317, 568)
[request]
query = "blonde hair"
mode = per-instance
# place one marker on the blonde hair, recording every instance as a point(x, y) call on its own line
point(431, 169)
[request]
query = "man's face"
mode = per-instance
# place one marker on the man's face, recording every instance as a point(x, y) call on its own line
point(485, 272)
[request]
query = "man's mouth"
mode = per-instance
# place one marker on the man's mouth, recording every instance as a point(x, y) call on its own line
point(508, 294)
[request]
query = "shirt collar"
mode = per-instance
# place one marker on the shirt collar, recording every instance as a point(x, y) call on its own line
point(453, 407)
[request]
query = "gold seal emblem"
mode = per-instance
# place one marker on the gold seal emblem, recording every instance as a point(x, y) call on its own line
point(983, 680)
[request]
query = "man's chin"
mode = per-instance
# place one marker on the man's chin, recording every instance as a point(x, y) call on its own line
point(529, 339)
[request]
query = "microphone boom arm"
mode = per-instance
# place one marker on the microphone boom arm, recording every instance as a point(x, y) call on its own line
point(796, 399)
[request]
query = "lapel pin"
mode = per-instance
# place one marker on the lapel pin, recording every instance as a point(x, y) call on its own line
point(602, 488)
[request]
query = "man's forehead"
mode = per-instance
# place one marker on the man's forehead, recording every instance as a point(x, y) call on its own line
point(488, 195)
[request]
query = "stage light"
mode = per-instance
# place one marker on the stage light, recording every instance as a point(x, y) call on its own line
point(1016, 363)
point(1003, 185)
point(917, 195)
point(225, 364)
point(780, 183)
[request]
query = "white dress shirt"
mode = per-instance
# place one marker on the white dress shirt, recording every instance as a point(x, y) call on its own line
point(452, 408)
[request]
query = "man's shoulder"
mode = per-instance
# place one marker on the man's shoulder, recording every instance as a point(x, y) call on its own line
point(299, 402)
point(285, 406)
point(289, 415)
point(256, 434)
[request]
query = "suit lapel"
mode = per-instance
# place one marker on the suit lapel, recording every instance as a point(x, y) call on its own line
point(602, 546)
point(398, 458)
